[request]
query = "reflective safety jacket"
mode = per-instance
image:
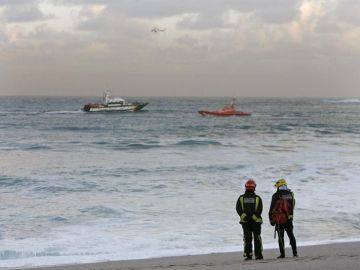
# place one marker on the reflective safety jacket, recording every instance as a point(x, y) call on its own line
point(285, 194)
point(249, 207)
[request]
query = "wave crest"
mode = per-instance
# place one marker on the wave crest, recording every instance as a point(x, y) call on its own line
point(348, 100)
point(196, 142)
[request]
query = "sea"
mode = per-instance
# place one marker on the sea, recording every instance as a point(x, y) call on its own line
point(79, 187)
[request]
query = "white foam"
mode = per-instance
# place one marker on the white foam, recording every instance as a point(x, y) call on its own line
point(65, 112)
point(353, 100)
point(91, 258)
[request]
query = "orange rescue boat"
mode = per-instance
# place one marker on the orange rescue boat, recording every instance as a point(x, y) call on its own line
point(228, 110)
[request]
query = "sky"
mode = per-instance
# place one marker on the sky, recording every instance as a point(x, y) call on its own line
point(237, 48)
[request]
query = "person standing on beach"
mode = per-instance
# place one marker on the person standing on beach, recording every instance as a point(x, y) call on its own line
point(281, 214)
point(249, 208)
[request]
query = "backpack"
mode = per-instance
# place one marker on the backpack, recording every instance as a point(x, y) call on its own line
point(280, 213)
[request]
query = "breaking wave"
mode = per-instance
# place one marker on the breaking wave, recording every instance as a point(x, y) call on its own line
point(350, 100)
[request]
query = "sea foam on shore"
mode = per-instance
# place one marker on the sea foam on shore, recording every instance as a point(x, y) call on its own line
point(329, 256)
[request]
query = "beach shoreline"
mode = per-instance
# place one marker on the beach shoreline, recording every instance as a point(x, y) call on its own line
point(328, 256)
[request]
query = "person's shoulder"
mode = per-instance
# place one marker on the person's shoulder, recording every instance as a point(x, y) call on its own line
point(284, 191)
point(238, 200)
point(278, 194)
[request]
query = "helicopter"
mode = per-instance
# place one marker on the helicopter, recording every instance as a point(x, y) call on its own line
point(156, 29)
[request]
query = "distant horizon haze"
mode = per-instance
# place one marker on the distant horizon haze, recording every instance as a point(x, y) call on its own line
point(99, 97)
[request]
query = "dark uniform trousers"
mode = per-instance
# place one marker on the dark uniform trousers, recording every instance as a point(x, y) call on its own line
point(288, 227)
point(252, 229)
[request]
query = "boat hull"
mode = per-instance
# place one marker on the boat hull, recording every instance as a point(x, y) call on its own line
point(134, 107)
point(223, 113)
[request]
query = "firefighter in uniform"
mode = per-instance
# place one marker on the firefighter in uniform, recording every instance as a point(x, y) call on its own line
point(249, 207)
point(283, 192)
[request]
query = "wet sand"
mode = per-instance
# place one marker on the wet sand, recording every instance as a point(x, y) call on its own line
point(345, 256)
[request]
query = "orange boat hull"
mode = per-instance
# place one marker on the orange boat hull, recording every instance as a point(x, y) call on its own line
point(224, 113)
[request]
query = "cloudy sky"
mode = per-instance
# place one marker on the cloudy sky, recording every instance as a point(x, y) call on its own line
point(236, 48)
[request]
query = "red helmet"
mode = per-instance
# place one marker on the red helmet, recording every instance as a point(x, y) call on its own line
point(250, 185)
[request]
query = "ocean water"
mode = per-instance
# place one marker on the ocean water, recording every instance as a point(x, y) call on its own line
point(84, 187)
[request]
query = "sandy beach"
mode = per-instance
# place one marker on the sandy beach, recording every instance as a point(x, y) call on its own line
point(330, 257)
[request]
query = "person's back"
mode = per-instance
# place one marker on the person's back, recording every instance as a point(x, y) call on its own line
point(249, 206)
point(283, 193)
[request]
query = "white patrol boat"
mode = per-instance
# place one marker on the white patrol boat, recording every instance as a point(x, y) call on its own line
point(114, 104)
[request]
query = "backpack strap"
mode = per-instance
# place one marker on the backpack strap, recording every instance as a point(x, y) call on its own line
point(293, 206)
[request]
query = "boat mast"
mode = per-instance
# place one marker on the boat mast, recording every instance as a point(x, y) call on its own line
point(106, 97)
